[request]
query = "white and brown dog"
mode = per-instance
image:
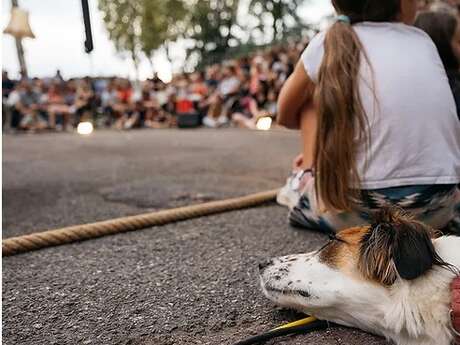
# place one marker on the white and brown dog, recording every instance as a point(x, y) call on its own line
point(392, 278)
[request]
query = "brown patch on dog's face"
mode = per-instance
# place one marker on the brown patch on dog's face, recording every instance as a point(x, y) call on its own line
point(343, 251)
point(395, 245)
point(330, 255)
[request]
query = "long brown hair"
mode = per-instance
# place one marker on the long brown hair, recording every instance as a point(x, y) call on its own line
point(341, 117)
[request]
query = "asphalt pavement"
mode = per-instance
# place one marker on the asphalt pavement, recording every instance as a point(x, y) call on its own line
point(193, 282)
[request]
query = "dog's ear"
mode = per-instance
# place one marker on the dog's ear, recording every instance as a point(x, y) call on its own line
point(396, 245)
point(413, 253)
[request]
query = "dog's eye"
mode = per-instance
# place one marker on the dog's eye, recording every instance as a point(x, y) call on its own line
point(333, 237)
point(325, 246)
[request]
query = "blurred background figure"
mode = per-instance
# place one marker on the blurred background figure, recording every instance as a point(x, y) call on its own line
point(235, 92)
point(444, 29)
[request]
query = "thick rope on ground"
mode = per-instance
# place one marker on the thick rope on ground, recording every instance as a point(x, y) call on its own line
point(38, 240)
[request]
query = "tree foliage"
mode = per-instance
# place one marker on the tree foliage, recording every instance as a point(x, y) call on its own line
point(141, 27)
point(162, 21)
point(122, 19)
point(283, 14)
point(212, 26)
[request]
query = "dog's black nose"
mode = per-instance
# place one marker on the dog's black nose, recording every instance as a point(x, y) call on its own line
point(264, 264)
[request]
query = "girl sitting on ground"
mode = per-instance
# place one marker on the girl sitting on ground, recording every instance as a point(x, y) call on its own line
point(377, 118)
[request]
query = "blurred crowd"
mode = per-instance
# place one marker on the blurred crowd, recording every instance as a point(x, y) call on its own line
point(236, 92)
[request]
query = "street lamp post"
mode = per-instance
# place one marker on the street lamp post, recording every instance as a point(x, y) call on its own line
point(19, 28)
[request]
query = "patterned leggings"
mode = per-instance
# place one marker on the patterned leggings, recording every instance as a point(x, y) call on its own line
point(435, 205)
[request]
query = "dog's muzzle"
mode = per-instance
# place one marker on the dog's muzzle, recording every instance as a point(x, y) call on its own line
point(264, 264)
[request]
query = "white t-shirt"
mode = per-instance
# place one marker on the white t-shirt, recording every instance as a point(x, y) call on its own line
point(414, 129)
point(228, 85)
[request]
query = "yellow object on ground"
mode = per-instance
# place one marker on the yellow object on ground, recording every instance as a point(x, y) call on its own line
point(301, 322)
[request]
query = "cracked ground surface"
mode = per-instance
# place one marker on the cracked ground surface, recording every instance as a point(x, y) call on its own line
point(193, 282)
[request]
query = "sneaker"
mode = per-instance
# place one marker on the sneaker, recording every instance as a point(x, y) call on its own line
point(290, 194)
point(222, 120)
point(209, 122)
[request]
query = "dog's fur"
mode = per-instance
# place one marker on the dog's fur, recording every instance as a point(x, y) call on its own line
point(391, 279)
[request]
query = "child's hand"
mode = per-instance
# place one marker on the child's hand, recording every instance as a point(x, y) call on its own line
point(297, 162)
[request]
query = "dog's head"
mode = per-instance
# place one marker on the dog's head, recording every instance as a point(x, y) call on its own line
point(349, 277)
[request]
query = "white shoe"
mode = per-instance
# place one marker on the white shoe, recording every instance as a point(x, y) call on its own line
point(222, 120)
point(209, 122)
point(290, 194)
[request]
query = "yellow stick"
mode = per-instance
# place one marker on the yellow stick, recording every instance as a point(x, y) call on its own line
point(301, 322)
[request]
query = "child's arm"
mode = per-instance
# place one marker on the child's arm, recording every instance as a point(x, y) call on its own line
point(296, 92)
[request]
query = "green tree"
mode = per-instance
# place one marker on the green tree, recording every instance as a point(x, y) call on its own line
point(211, 27)
point(283, 13)
point(122, 20)
point(163, 21)
point(143, 26)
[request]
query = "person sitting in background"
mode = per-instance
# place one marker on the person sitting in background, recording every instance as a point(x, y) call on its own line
point(199, 91)
point(108, 100)
point(245, 112)
point(123, 105)
point(271, 105)
point(7, 85)
point(57, 106)
point(161, 115)
point(160, 95)
point(198, 87)
point(184, 102)
point(444, 30)
point(7, 88)
point(250, 108)
point(258, 75)
point(27, 104)
point(222, 100)
point(83, 99)
point(213, 76)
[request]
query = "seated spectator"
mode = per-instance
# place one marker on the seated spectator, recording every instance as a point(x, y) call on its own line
point(26, 104)
point(444, 30)
point(184, 99)
point(245, 85)
point(156, 117)
point(198, 87)
point(7, 88)
point(83, 102)
point(213, 77)
point(258, 75)
point(135, 117)
point(123, 106)
point(57, 106)
point(7, 85)
point(108, 100)
point(223, 98)
point(247, 113)
point(250, 108)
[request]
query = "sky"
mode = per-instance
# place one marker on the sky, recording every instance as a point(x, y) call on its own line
point(59, 31)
